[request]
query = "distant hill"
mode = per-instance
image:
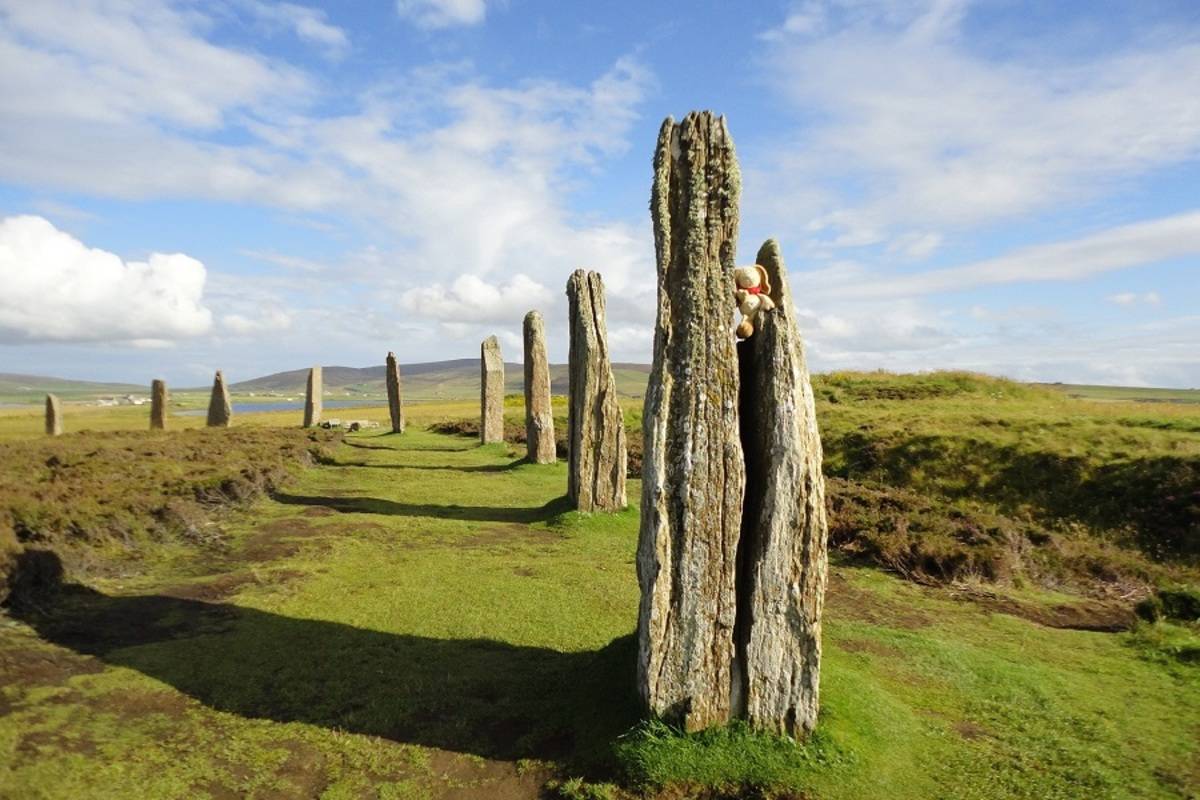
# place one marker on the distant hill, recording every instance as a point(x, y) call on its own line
point(457, 379)
point(30, 388)
point(1139, 394)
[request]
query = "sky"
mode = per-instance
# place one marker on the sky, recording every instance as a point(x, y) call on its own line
point(255, 186)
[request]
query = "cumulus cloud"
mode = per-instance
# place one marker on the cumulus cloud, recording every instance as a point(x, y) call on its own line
point(442, 13)
point(470, 300)
point(58, 289)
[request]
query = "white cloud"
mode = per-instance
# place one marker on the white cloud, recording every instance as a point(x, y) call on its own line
point(454, 176)
point(121, 61)
point(1134, 298)
point(443, 13)
point(911, 123)
point(266, 320)
point(308, 24)
point(472, 300)
point(1122, 247)
point(58, 289)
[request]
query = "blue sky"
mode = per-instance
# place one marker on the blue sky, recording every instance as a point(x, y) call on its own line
point(256, 185)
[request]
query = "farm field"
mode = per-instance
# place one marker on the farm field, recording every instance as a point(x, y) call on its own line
point(417, 616)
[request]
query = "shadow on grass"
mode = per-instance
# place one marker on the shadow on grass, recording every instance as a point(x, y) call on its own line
point(411, 448)
point(375, 505)
point(479, 696)
point(437, 468)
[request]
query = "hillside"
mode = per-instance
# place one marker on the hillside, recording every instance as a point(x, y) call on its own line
point(457, 379)
point(16, 388)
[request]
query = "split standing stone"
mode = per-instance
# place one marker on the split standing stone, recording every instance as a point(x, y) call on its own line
point(54, 422)
point(491, 391)
point(313, 396)
point(395, 402)
point(782, 556)
point(220, 409)
point(159, 399)
point(693, 475)
point(539, 418)
point(595, 424)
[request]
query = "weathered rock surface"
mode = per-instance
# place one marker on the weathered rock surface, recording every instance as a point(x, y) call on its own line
point(160, 399)
point(313, 396)
point(54, 421)
point(491, 391)
point(395, 400)
point(220, 409)
point(782, 557)
point(539, 418)
point(692, 473)
point(595, 425)
point(732, 551)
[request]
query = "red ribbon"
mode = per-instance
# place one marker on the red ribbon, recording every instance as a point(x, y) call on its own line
point(755, 290)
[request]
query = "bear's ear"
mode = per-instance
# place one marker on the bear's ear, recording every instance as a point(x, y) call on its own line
point(766, 281)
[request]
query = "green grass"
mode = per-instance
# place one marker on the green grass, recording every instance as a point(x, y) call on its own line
point(421, 614)
point(1139, 394)
point(417, 616)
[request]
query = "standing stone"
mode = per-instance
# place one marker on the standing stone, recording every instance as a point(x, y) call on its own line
point(395, 403)
point(159, 399)
point(595, 424)
point(693, 475)
point(539, 419)
point(220, 409)
point(54, 423)
point(313, 396)
point(491, 391)
point(782, 557)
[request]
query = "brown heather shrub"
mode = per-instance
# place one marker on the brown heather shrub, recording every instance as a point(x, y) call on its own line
point(76, 494)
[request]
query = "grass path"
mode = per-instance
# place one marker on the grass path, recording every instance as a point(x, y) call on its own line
point(420, 618)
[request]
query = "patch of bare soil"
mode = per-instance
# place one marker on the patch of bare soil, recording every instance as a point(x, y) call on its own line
point(500, 535)
point(279, 539)
point(969, 730)
point(210, 591)
point(1104, 616)
point(35, 744)
point(318, 511)
point(43, 666)
point(135, 703)
point(689, 792)
point(845, 601)
point(465, 778)
point(305, 770)
point(871, 647)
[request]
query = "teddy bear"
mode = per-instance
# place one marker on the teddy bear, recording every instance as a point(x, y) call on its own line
point(753, 294)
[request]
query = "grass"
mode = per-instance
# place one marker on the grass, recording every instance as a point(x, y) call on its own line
point(417, 616)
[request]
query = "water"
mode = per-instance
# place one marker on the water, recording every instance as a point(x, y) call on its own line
point(282, 405)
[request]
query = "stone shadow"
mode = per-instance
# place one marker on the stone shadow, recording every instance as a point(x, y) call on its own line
point(490, 698)
point(376, 505)
point(434, 468)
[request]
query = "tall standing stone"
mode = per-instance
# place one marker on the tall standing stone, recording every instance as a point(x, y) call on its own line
point(693, 475)
point(54, 422)
point(395, 401)
point(313, 396)
point(491, 391)
point(782, 557)
point(595, 424)
point(159, 399)
point(539, 418)
point(732, 549)
point(220, 409)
